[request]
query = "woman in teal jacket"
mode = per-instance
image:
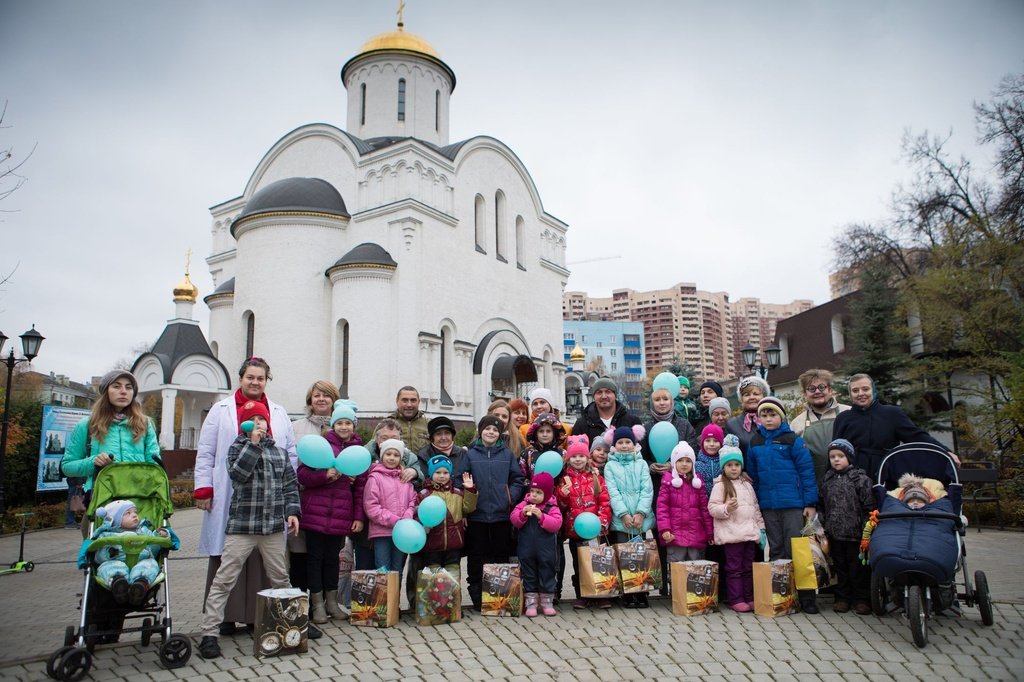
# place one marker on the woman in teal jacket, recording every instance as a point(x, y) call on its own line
point(116, 430)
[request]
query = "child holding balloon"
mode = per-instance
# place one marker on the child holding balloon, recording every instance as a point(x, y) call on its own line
point(447, 523)
point(538, 519)
point(332, 509)
point(630, 494)
point(387, 500)
point(583, 491)
point(544, 435)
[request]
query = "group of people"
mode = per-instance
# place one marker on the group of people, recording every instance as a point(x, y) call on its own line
point(732, 484)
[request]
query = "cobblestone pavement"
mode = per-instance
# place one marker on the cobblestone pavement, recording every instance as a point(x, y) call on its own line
point(590, 645)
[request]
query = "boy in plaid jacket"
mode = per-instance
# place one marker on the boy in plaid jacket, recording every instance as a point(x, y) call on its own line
point(265, 500)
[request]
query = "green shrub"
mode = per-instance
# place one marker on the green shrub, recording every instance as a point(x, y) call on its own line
point(465, 436)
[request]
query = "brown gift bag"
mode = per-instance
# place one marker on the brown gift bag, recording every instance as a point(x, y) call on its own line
point(502, 590)
point(281, 622)
point(774, 588)
point(694, 587)
point(639, 566)
point(599, 570)
point(375, 598)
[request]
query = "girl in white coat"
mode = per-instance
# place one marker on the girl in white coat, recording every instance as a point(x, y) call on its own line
point(213, 487)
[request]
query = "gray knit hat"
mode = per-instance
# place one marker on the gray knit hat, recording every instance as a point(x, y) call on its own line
point(115, 374)
point(719, 402)
point(604, 382)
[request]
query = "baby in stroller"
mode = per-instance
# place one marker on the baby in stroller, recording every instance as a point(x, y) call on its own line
point(127, 584)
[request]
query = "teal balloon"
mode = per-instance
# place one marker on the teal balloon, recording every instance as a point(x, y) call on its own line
point(662, 438)
point(667, 381)
point(353, 460)
point(247, 426)
point(550, 463)
point(587, 525)
point(409, 536)
point(315, 452)
point(432, 511)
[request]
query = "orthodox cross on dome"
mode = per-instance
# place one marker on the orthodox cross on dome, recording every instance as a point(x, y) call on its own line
point(401, 13)
point(188, 260)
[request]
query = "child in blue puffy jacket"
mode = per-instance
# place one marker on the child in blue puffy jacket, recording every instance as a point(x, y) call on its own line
point(782, 471)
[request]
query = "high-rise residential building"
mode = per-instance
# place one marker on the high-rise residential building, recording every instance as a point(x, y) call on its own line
point(682, 324)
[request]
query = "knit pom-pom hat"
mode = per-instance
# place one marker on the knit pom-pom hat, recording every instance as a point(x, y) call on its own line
point(577, 445)
point(635, 434)
point(711, 431)
point(683, 451)
point(729, 453)
point(344, 409)
point(114, 511)
point(545, 419)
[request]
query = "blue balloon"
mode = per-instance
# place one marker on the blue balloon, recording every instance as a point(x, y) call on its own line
point(549, 462)
point(667, 381)
point(247, 426)
point(353, 460)
point(432, 511)
point(409, 536)
point(587, 525)
point(662, 438)
point(315, 452)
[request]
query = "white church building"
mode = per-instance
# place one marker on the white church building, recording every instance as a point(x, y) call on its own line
point(385, 254)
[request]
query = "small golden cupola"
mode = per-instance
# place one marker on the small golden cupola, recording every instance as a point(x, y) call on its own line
point(577, 354)
point(186, 290)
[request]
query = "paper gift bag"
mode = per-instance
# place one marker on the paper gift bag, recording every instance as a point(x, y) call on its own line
point(599, 570)
point(694, 587)
point(375, 598)
point(803, 564)
point(281, 622)
point(438, 595)
point(639, 566)
point(774, 588)
point(502, 590)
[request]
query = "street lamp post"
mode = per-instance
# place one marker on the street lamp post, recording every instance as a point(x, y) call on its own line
point(30, 342)
point(771, 356)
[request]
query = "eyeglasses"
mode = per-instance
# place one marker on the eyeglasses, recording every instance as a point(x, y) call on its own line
point(820, 388)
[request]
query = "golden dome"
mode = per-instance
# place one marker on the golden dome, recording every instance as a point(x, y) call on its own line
point(577, 354)
point(399, 40)
point(186, 291)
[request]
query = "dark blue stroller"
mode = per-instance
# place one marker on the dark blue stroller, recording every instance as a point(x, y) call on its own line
point(915, 554)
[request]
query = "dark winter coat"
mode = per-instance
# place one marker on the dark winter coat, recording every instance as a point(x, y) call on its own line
point(450, 533)
point(685, 431)
point(846, 501)
point(498, 479)
point(781, 469)
point(875, 430)
point(428, 451)
point(735, 427)
point(330, 507)
point(590, 422)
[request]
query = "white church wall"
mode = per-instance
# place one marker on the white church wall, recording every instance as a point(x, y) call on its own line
point(381, 74)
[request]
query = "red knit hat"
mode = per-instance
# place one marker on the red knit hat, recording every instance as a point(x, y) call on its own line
point(252, 409)
point(544, 483)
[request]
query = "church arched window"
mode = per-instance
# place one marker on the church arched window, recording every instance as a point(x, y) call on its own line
point(520, 243)
point(250, 334)
point(478, 225)
point(401, 99)
point(341, 350)
point(437, 110)
point(362, 104)
point(499, 226)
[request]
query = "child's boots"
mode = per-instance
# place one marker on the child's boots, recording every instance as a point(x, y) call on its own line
point(316, 601)
point(547, 605)
point(331, 605)
point(531, 605)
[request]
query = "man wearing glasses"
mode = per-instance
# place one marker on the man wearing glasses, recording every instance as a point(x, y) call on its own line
point(816, 421)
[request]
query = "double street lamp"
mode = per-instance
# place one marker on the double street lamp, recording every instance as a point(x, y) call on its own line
point(772, 355)
point(30, 342)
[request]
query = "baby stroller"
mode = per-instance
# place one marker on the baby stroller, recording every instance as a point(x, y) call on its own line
point(103, 619)
point(916, 554)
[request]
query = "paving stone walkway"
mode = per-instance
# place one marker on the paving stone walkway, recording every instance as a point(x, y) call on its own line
point(617, 644)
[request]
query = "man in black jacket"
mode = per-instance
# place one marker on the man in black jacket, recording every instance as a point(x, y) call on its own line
point(604, 412)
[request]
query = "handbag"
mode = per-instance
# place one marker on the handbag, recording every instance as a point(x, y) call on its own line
point(77, 503)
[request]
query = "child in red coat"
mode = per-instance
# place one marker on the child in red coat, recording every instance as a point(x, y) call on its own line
point(684, 523)
point(582, 490)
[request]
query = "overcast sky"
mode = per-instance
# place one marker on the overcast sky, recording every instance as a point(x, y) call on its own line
point(724, 144)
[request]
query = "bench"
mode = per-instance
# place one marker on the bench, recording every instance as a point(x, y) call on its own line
point(984, 477)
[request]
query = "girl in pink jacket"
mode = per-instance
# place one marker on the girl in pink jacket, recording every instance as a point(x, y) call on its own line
point(739, 527)
point(387, 501)
point(684, 523)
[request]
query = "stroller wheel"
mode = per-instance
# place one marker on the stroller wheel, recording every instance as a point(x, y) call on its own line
point(917, 616)
point(74, 665)
point(878, 594)
point(51, 662)
point(176, 651)
point(69, 635)
point(983, 598)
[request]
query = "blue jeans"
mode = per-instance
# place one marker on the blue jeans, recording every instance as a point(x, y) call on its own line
point(386, 555)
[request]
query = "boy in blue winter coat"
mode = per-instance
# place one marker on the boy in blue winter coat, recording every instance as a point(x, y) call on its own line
point(499, 483)
point(782, 471)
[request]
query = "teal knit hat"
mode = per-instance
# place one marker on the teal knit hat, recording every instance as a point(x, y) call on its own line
point(729, 454)
point(344, 409)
